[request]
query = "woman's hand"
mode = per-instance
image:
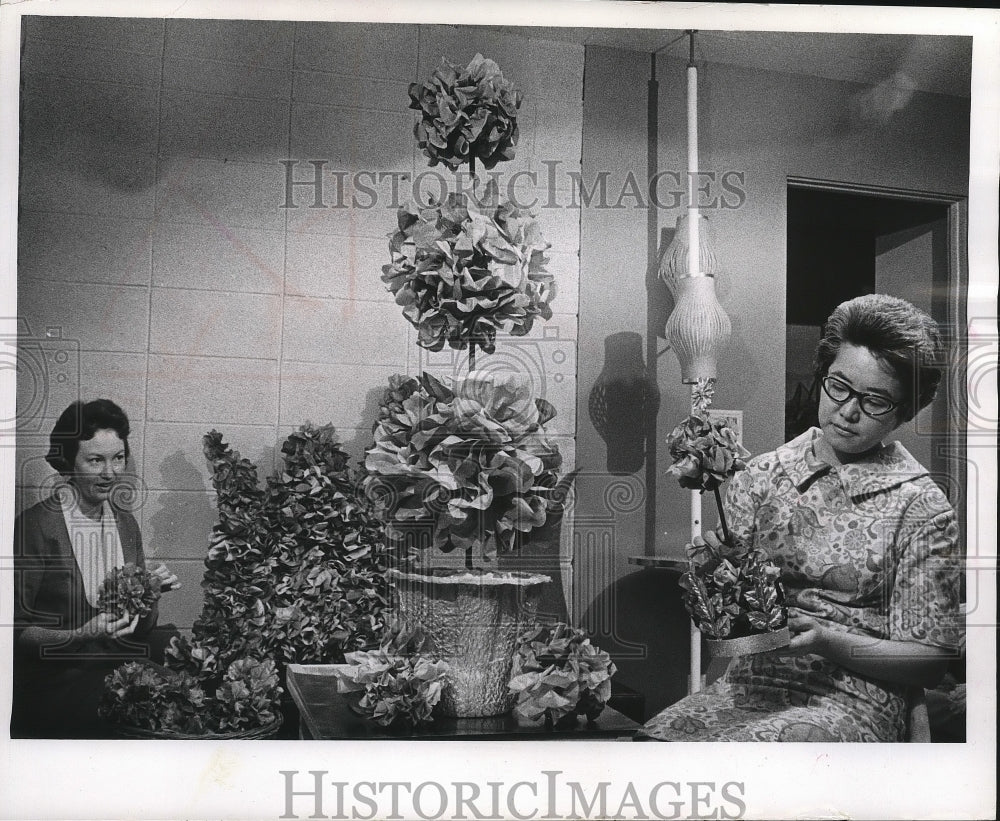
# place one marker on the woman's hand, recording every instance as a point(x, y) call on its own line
point(808, 634)
point(902, 662)
point(105, 624)
point(168, 580)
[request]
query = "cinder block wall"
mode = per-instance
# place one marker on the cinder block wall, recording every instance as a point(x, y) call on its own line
point(157, 266)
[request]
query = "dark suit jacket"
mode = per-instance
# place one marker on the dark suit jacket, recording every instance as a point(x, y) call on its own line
point(57, 688)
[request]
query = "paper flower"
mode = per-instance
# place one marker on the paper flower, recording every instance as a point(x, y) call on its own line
point(466, 112)
point(706, 453)
point(559, 674)
point(733, 591)
point(467, 266)
point(399, 686)
point(151, 697)
point(470, 462)
point(129, 589)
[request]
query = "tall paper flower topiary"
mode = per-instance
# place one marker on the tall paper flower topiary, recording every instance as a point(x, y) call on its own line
point(467, 113)
point(466, 267)
point(470, 463)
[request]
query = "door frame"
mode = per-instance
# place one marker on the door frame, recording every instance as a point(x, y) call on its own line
point(955, 384)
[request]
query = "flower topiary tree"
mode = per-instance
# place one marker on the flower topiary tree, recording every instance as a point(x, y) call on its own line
point(295, 572)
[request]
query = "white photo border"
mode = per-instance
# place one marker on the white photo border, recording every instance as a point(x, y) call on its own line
point(243, 779)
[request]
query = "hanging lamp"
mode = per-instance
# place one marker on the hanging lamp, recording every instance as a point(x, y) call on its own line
point(698, 327)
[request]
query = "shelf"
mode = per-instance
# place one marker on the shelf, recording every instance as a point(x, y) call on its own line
point(659, 563)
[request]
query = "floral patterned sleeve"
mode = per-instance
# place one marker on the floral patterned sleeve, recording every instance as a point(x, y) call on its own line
point(924, 603)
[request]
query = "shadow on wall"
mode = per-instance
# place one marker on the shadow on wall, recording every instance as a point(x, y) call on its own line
point(362, 439)
point(640, 620)
point(621, 401)
point(178, 527)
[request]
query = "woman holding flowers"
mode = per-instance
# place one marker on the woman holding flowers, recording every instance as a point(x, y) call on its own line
point(867, 548)
point(74, 623)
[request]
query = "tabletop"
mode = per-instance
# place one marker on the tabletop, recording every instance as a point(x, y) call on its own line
point(327, 714)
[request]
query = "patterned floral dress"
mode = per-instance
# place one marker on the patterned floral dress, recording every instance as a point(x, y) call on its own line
point(872, 548)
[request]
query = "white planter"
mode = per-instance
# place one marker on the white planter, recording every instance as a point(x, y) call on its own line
point(472, 621)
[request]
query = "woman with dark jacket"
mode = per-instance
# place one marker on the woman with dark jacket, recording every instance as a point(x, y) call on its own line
point(64, 546)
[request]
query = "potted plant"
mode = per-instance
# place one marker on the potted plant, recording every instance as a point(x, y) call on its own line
point(732, 592)
point(467, 467)
point(464, 464)
point(559, 676)
point(295, 573)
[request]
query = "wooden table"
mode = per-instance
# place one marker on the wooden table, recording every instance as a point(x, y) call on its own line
point(325, 714)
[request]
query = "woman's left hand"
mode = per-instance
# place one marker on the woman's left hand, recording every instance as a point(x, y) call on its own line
point(168, 580)
point(808, 633)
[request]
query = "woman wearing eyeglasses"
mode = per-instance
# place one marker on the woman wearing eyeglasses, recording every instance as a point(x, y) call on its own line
point(867, 544)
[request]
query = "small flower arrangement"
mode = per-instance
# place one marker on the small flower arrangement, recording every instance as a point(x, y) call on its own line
point(733, 591)
point(464, 267)
point(469, 463)
point(559, 675)
point(466, 113)
point(400, 687)
point(129, 589)
point(147, 697)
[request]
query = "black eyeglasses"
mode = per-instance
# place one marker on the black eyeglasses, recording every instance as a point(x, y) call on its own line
point(871, 403)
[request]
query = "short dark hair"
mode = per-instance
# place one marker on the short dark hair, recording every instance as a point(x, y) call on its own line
point(78, 423)
point(897, 333)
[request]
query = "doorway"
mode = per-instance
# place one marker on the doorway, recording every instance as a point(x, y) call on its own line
point(842, 243)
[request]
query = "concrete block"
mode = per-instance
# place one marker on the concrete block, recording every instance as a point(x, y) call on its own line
point(177, 524)
point(375, 50)
point(212, 76)
point(182, 606)
point(218, 258)
point(266, 43)
point(214, 323)
point(223, 128)
point(345, 395)
point(81, 62)
point(338, 330)
point(97, 317)
point(102, 116)
point(83, 248)
point(135, 34)
point(84, 178)
point(213, 390)
point(221, 195)
point(352, 139)
point(323, 88)
point(334, 266)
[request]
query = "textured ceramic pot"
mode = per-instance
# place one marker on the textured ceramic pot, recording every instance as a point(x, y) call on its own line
point(472, 621)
